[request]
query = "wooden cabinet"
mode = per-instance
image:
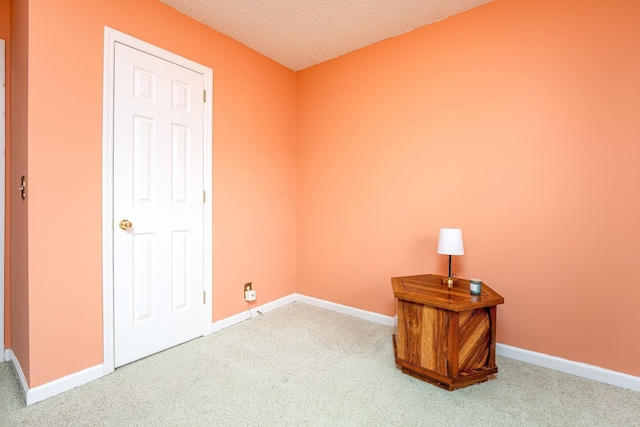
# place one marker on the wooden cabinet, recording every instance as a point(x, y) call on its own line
point(445, 336)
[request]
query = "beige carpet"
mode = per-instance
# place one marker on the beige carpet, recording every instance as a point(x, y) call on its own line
point(304, 366)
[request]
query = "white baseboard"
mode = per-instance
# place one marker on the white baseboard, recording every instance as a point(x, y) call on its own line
point(570, 367)
point(584, 370)
point(58, 386)
point(245, 315)
point(552, 362)
point(18, 369)
point(5, 356)
point(328, 305)
point(63, 384)
point(355, 312)
point(579, 369)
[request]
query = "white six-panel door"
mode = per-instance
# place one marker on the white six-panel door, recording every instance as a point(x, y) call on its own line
point(158, 187)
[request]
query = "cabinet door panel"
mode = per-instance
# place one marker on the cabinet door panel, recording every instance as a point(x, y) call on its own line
point(422, 337)
point(474, 339)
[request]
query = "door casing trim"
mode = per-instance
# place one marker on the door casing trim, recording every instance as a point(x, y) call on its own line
point(111, 37)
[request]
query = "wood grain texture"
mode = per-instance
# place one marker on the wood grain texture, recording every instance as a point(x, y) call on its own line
point(475, 334)
point(422, 336)
point(446, 337)
point(428, 289)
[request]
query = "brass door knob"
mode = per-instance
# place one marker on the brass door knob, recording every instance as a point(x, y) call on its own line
point(125, 224)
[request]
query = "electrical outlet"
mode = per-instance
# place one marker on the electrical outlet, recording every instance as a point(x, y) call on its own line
point(250, 295)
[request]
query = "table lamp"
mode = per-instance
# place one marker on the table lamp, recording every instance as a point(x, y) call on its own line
point(450, 243)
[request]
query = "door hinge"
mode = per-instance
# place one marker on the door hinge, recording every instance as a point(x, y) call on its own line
point(204, 196)
point(204, 96)
point(204, 297)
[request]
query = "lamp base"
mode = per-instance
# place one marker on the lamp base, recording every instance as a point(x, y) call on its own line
point(449, 281)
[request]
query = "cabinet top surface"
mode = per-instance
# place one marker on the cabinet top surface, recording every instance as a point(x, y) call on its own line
point(428, 289)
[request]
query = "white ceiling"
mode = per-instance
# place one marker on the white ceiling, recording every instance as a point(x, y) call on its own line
point(302, 33)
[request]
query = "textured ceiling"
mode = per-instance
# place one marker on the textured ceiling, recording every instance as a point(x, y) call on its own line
point(302, 33)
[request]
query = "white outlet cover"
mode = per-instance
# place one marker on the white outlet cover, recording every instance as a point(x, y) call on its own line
point(250, 295)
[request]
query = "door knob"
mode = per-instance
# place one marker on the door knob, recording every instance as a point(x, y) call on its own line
point(125, 224)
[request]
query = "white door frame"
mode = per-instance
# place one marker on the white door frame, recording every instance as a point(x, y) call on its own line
point(3, 109)
point(111, 37)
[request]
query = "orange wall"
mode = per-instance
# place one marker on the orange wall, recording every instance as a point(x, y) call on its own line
point(19, 283)
point(5, 34)
point(253, 170)
point(516, 121)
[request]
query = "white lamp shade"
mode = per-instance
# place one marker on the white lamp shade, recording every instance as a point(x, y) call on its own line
point(450, 242)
